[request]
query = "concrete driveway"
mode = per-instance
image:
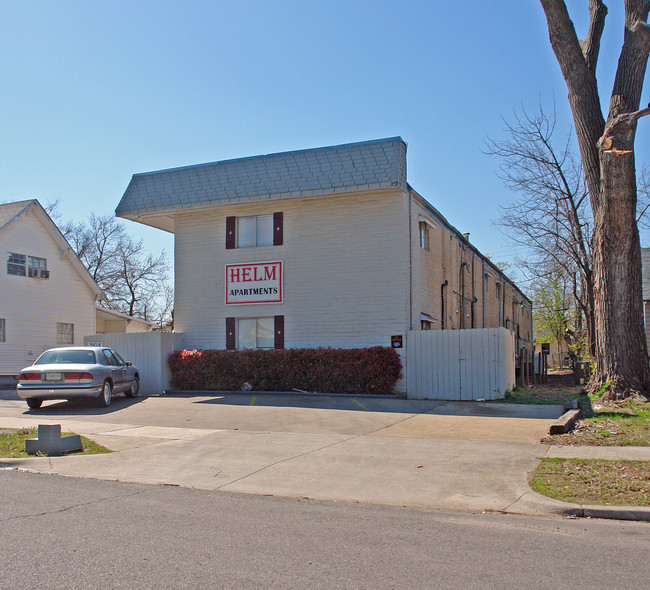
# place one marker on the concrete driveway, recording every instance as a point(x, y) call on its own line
point(430, 454)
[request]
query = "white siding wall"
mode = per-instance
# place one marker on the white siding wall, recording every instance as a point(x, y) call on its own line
point(345, 283)
point(32, 307)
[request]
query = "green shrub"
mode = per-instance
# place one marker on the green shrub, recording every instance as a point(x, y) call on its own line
point(324, 370)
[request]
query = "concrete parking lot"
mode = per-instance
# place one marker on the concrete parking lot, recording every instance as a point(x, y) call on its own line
point(431, 454)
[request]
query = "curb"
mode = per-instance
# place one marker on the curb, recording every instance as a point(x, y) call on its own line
point(534, 503)
point(637, 513)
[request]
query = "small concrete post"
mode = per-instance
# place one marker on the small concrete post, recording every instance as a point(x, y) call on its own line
point(49, 441)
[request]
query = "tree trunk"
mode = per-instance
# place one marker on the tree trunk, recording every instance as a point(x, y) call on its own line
point(621, 354)
point(607, 152)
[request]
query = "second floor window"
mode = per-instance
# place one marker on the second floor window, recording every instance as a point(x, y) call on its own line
point(16, 264)
point(36, 266)
point(255, 231)
point(424, 235)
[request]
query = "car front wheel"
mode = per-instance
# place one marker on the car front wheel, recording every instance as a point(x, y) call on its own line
point(34, 403)
point(107, 392)
point(134, 390)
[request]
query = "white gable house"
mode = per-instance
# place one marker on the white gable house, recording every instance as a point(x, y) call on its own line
point(47, 297)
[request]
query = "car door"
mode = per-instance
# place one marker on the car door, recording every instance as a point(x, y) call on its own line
point(128, 370)
point(118, 371)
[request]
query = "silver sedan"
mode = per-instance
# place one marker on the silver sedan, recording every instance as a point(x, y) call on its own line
point(79, 371)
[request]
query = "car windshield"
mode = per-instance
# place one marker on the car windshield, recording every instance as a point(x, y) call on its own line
point(66, 357)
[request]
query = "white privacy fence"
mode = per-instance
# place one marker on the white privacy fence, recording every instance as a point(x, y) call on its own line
point(148, 351)
point(460, 364)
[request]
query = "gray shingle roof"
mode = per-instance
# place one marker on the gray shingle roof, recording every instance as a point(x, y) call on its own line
point(350, 167)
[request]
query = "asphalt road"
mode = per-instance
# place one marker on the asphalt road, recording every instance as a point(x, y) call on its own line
point(62, 532)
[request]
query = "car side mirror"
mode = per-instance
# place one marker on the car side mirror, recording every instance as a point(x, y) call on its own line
point(129, 364)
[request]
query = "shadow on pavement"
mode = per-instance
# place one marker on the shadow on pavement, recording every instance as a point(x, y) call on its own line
point(81, 407)
point(389, 405)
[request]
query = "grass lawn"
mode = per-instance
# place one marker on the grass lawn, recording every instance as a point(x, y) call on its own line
point(12, 443)
point(616, 424)
point(559, 389)
point(538, 394)
point(594, 481)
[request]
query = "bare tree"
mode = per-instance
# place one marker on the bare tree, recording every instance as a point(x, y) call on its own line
point(550, 217)
point(140, 278)
point(134, 282)
point(607, 153)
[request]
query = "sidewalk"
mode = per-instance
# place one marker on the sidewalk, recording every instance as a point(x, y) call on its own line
point(422, 454)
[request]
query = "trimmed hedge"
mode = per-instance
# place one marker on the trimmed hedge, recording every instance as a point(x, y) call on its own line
point(323, 370)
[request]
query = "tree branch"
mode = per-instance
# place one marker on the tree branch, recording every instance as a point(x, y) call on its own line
point(591, 45)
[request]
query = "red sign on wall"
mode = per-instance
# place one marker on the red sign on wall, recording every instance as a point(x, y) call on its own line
point(254, 282)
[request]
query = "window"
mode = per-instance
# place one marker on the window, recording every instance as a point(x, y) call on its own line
point(424, 235)
point(426, 321)
point(36, 267)
point(255, 333)
point(265, 332)
point(16, 264)
point(498, 291)
point(257, 231)
point(112, 358)
point(3, 330)
point(64, 333)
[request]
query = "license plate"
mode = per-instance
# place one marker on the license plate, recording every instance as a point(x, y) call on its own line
point(53, 376)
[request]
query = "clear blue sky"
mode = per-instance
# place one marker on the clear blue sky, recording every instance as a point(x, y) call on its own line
point(93, 92)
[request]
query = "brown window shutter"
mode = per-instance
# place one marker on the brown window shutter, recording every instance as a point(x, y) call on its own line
point(278, 321)
point(278, 229)
point(231, 223)
point(230, 334)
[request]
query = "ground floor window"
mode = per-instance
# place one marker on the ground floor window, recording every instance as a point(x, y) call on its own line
point(3, 330)
point(264, 332)
point(64, 333)
point(255, 333)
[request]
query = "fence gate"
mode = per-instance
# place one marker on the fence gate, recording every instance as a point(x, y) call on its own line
point(460, 364)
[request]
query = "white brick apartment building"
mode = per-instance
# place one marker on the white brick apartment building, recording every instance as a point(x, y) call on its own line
point(317, 248)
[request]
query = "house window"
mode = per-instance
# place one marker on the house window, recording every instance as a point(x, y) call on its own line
point(3, 330)
point(252, 232)
point(424, 235)
point(64, 333)
point(425, 325)
point(498, 291)
point(255, 333)
point(36, 267)
point(16, 264)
